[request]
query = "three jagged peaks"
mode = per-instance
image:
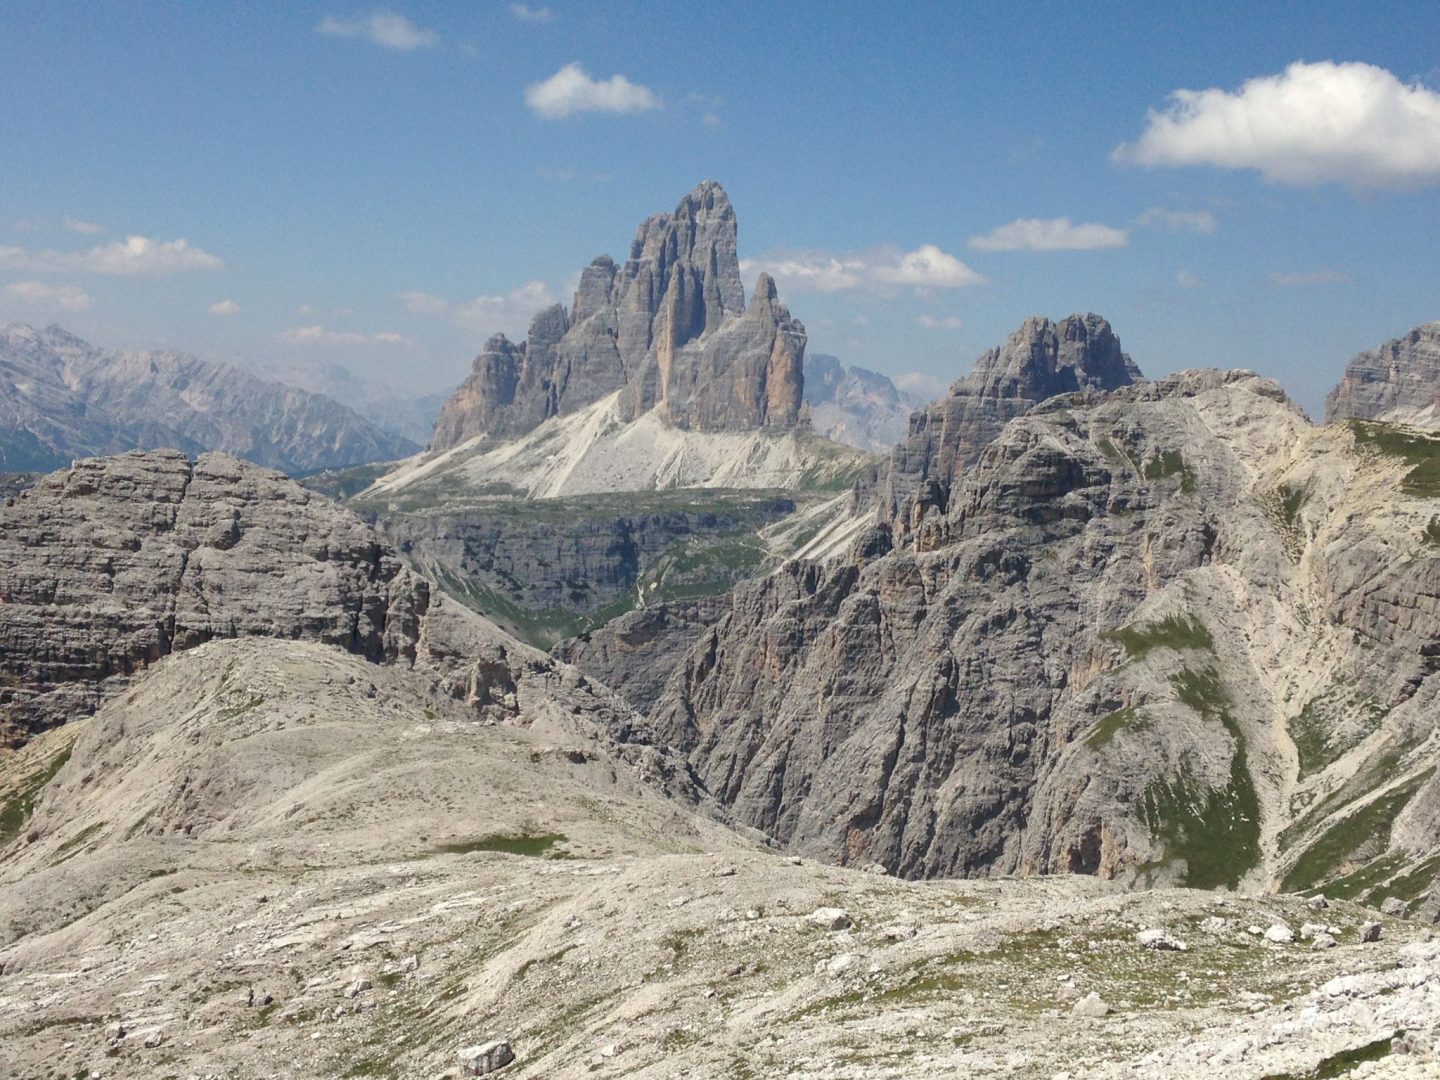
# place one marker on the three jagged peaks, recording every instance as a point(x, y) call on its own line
point(669, 329)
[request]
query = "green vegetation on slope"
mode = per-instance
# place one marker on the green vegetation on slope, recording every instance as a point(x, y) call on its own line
point(1170, 463)
point(1420, 451)
point(1172, 632)
point(17, 808)
point(1216, 831)
point(1351, 835)
point(1126, 719)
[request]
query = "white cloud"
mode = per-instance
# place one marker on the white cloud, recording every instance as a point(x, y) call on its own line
point(941, 322)
point(571, 90)
point(1050, 234)
point(133, 256)
point(510, 312)
point(76, 225)
point(319, 335)
point(1196, 221)
point(927, 267)
point(223, 309)
point(711, 120)
point(38, 294)
point(383, 28)
point(1309, 277)
point(1186, 280)
point(537, 14)
point(1347, 123)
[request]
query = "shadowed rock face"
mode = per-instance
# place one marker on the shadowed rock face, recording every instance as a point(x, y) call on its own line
point(1040, 360)
point(62, 398)
point(670, 328)
point(1399, 382)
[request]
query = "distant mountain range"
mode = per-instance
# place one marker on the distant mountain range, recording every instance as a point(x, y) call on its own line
point(62, 398)
point(855, 406)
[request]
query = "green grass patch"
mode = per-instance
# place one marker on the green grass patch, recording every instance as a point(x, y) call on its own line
point(1348, 836)
point(1216, 831)
point(532, 845)
point(1337, 1065)
point(1172, 632)
point(1170, 463)
point(18, 808)
point(1110, 725)
point(1421, 452)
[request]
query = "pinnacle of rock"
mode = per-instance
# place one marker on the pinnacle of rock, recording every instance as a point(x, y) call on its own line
point(669, 329)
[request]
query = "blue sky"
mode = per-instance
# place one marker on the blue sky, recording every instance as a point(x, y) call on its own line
point(381, 192)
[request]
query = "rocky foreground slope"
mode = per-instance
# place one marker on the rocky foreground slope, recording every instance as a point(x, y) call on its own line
point(273, 858)
point(61, 398)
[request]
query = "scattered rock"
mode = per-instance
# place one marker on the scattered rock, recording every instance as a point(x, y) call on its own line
point(410, 963)
point(830, 918)
point(358, 987)
point(154, 1039)
point(485, 1058)
point(1090, 1007)
point(1317, 902)
point(1394, 907)
point(1160, 940)
point(1310, 929)
point(1370, 931)
point(836, 965)
point(1280, 934)
point(1321, 941)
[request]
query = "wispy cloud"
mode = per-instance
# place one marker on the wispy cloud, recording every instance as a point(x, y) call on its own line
point(1196, 221)
point(1304, 278)
point(1348, 123)
point(941, 322)
point(46, 297)
point(223, 309)
point(78, 226)
point(380, 27)
point(132, 257)
point(1050, 234)
point(537, 13)
point(1186, 280)
point(320, 335)
point(571, 90)
point(876, 269)
point(510, 312)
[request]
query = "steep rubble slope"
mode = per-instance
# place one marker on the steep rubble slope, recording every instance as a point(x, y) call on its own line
point(271, 858)
point(668, 330)
point(62, 398)
point(1399, 382)
point(1099, 653)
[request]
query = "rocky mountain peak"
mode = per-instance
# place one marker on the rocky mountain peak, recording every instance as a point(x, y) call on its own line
point(669, 329)
point(1044, 358)
point(1040, 360)
point(1399, 382)
point(63, 398)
